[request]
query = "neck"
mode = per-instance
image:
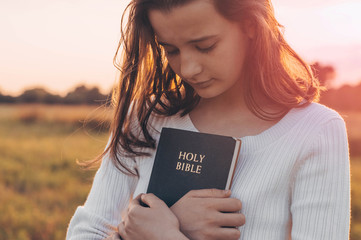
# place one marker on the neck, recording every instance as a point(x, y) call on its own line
point(229, 103)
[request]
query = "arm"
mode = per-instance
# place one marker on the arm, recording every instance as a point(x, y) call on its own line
point(156, 222)
point(321, 191)
point(200, 214)
point(109, 195)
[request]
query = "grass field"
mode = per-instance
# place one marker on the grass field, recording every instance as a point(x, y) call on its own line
point(40, 182)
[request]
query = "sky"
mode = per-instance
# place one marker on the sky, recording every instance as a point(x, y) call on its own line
point(60, 44)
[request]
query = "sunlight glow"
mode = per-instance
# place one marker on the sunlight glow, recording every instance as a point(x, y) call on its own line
point(58, 44)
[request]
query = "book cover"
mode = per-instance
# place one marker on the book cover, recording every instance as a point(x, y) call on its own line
point(187, 160)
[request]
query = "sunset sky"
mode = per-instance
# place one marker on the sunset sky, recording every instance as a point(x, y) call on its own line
point(59, 44)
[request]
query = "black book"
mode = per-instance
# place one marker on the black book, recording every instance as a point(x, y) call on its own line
point(187, 160)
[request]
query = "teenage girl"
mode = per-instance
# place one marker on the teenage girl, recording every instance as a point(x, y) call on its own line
point(221, 67)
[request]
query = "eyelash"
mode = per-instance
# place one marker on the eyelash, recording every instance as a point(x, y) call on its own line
point(208, 49)
point(203, 50)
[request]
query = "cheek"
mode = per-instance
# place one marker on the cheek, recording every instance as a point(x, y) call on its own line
point(228, 63)
point(233, 57)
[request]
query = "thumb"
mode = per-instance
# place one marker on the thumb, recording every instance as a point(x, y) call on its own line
point(152, 201)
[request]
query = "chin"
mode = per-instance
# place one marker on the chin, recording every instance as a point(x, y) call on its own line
point(208, 94)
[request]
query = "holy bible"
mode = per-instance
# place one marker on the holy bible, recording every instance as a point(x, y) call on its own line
point(187, 160)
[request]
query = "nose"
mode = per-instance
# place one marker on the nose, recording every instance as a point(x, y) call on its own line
point(190, 66)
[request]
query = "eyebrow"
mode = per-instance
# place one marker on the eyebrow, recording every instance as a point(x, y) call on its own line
point(191, 41)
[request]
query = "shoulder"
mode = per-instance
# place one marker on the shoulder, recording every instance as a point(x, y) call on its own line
point(318, 110)
point(321, 137)
point(316, 115)
point(311, 122)
point(318, 124)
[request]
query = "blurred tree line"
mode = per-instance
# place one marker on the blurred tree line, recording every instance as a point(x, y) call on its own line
point(80, 95)
point(343, 98)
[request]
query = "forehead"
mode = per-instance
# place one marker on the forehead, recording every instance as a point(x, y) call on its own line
point(187, 22)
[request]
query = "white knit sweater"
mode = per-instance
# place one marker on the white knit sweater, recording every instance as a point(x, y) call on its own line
point(293, 179)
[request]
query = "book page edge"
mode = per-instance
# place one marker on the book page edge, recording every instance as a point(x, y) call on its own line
point(237, 149)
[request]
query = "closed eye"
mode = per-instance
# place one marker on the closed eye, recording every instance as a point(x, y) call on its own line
point(171, 51)
point(207, 49)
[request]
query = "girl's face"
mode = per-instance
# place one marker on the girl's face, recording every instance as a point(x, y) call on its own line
point(203, 48)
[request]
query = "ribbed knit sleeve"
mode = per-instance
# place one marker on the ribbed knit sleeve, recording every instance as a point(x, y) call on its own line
point(321, 195)
point(101, 212)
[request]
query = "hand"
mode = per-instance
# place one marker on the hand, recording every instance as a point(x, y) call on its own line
point(154, 222)
point(209, 214)
point(113, 236)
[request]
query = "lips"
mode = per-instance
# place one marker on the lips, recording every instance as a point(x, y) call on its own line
point(202, 84)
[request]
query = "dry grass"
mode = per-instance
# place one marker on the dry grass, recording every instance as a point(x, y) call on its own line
point(51, 113)
point(78, 115)
point(40, 183)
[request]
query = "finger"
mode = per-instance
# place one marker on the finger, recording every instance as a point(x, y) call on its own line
point(136, 202)
point(152, 201)
point(227, 233)
point(227, 204)
point(209, 193)
point(230, 219)
point(138, 198)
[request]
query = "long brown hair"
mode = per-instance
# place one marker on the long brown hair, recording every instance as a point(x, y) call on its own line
point(147, 84)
